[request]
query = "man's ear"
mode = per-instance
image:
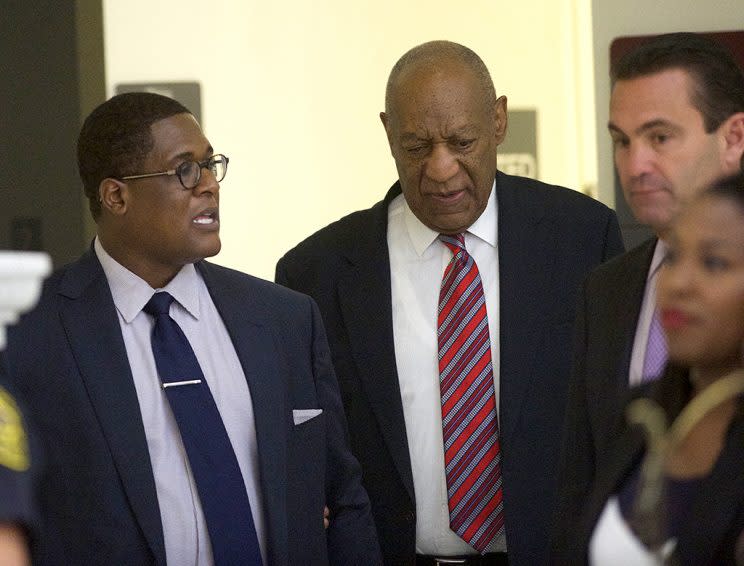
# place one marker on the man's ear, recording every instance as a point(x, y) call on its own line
point(733, 137)
point(113, 194)
point(501, 118)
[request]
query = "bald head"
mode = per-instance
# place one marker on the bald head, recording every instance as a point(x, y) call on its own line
point(444, 124)
point(432, 57)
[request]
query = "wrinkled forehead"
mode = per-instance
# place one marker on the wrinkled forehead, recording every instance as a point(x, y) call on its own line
point(442, 89)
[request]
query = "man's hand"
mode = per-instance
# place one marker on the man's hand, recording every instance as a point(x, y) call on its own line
point(13, 549)
point(326, 516)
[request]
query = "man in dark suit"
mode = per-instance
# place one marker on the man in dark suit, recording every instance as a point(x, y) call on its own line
point(376, 276)
point(132, 474)
point(677, 123)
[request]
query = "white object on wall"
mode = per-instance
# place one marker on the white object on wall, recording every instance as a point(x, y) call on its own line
point(21, 275)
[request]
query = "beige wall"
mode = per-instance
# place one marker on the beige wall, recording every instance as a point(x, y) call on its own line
point(641, 17)
point(292, 91)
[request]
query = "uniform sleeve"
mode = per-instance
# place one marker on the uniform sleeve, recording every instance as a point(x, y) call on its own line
point(17, 467)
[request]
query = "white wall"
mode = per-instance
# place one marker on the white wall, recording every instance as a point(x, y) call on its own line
point(292, 90)
point(642, 17)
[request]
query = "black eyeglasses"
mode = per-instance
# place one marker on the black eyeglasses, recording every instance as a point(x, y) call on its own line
point(189, 172)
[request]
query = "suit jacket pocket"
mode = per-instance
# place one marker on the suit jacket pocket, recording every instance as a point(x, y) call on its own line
point(300, 416)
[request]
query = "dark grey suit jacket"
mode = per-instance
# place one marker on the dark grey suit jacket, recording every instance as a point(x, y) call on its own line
point(98, 500)
point(606, 321)
point(548, 239)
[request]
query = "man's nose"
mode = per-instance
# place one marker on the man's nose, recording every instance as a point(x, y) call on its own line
point(441, 165)
point(208, 182)
point(637, 160)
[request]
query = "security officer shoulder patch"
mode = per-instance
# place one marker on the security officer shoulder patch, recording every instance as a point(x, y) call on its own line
point(13, 441)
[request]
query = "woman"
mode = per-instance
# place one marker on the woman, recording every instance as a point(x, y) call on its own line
point(675, 494)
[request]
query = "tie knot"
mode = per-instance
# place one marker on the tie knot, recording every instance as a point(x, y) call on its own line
point(454, 242)
point(159, 303)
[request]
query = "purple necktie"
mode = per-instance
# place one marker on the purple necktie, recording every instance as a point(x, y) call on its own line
point(656, 351)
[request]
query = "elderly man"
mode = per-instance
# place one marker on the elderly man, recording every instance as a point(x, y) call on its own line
point(449, 309)
point(189, 413)
point(677, 124)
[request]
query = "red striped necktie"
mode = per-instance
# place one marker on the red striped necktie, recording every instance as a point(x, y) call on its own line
point(472, 455)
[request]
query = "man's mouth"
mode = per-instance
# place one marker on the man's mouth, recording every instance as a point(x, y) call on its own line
point(647, 185)
point(207, 218)
point(449, 196)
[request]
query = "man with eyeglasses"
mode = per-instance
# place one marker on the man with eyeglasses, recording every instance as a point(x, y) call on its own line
point(189, 413)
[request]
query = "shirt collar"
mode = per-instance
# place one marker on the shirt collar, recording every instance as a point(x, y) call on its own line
point(660, 252)
point(485, 227)
point(131, 293)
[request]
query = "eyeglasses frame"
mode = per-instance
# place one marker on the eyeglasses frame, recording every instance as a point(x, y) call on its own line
point(171, 172)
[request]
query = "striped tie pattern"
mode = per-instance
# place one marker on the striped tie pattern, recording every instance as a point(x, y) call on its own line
point(472, 455)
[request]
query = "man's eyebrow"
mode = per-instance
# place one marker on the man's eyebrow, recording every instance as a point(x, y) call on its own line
point(650, 125)
point(189, 155)
point(411, 137)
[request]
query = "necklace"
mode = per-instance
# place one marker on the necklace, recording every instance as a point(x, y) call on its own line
point(648, 515)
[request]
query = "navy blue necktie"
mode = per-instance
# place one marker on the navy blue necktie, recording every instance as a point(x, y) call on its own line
point(213, 463)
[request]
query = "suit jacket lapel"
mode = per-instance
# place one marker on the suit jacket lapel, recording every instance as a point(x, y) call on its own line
point(618, 304)
point(629, 291)
point(523, 235)
point(89, 319)
point(257, 352)
point(364, 296)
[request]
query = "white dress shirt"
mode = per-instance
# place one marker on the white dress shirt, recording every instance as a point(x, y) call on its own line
point(646, 314)
point(417, 263)
point(184, 528)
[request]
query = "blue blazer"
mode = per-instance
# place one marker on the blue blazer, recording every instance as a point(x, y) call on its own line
point(548, 239)
point(98, 500)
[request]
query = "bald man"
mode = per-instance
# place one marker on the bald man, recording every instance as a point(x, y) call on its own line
point(449, 309)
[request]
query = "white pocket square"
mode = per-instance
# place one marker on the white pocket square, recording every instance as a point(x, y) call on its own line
point(303, 415)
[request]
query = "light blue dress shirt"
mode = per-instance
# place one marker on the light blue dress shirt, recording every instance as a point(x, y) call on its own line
point(184, 527)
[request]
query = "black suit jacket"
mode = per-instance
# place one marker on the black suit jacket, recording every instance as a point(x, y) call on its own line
point(548, 239)
point(715, 524)
point(607, 316)
point(98, 499)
